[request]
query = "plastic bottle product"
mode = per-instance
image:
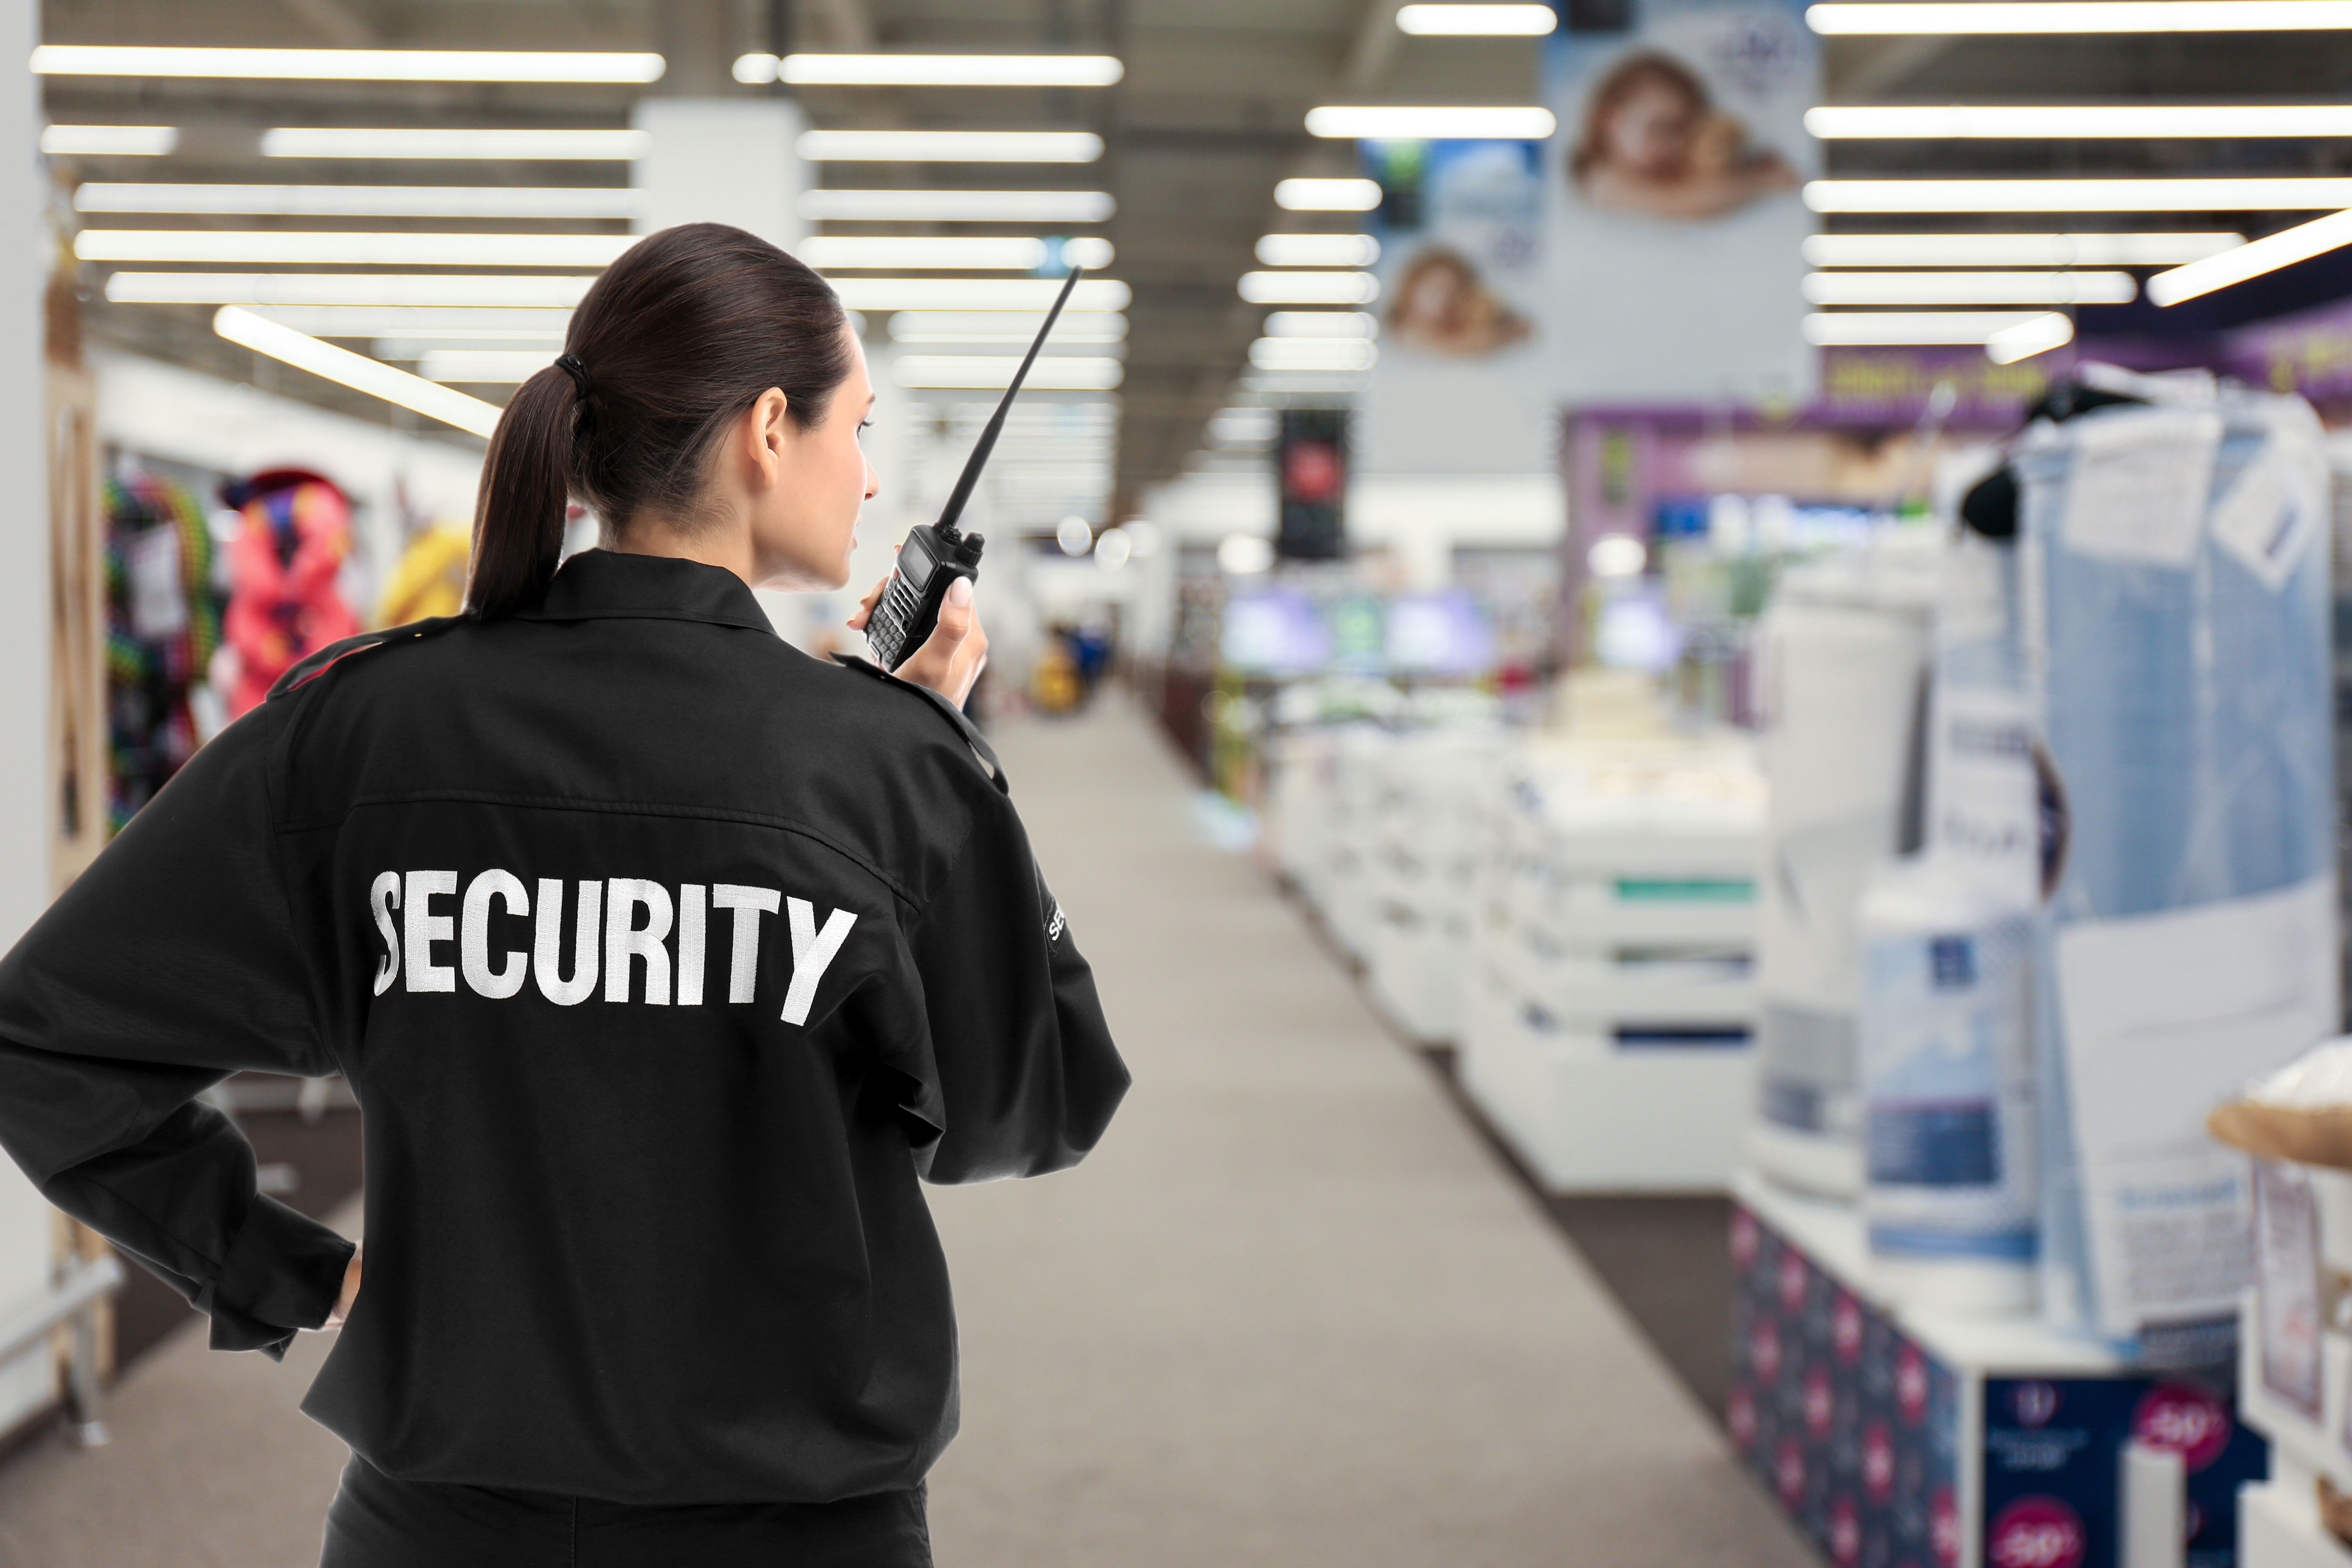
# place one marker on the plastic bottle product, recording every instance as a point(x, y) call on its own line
point(1844, 660)
point(1950, 1199)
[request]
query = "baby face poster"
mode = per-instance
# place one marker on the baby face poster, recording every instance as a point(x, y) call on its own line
point(1459, 385)
point(1673, 219)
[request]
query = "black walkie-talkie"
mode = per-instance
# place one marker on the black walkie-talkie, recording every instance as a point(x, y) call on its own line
point(936, 555)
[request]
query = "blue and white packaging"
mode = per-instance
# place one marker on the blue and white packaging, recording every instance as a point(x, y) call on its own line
point(1950, 1202)
point(2174, 583)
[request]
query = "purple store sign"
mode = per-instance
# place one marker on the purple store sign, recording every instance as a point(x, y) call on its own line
point(2309, 353)
point(1892, 385)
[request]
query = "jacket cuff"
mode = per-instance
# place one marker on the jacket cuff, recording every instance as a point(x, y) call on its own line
point(283, 1273)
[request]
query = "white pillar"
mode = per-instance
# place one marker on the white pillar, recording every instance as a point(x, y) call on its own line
point(722, 160)
point(28, 774)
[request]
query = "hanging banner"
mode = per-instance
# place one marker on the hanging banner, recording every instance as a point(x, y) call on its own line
point(1459, 386)
point(1673, 229)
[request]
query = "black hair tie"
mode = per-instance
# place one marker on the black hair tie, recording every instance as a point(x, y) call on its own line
point(569, 365)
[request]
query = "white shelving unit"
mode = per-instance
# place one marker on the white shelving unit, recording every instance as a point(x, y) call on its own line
point(1607, 1034)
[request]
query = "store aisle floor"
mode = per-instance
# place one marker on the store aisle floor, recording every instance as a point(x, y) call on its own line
point(211, 1465)
point(1291, 1312)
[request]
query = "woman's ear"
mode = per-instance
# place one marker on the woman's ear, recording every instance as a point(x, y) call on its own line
point(769, 433)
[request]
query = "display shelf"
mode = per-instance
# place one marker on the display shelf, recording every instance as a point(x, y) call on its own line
point(1585, 1113)
point(1891, 1431)
point(1831, 1234)
point(1608, 1039)
point(2278, 1527)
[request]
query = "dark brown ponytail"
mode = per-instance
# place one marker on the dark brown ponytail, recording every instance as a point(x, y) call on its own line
point(674, 342)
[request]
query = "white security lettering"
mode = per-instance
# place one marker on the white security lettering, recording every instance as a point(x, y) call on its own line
point(384, 896)
point(607, 937)
point(691, 899)
point(424, 928)
point(624, 939)
point(749, 904)
point(812, 950)
point(474, 934)
point(546, 951)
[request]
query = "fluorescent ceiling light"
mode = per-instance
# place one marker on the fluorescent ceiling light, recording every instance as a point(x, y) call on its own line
point(295, 249)
point(365, 201)
point(1982, 16)
point(948, 146)
point(344, 289)
point(1320, 324)
point(1309, 287)
point(2137, 121)
point(1326, 195)
point(1383, 122)
point(2013, 250)
point(1242, 427)
point(1009, 253)
point(2076, 196)
point(355, 370)
point(996, 253)
point(1092, 413)
point(1970, 287)
point(1462, 21)
point(932, 71)
point(546, 344)
point(1312, 354)
point(1003, 327)
point(109, 141)
point(417, 321)
point(1863, 327)
point(1063, 373)
point(1285, 382)
point(957, 207)
point(2027, 339)
point(484, 365)
point(1318, 251)
point(440, 141)
point(343, 65)
point(976, 293)
point(2265, 254)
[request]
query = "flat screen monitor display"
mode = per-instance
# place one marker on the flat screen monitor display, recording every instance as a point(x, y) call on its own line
point(1274, 633)
point(1438, 634)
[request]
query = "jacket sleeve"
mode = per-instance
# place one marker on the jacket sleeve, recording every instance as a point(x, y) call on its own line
point(1024, 1075)
point(171, 962)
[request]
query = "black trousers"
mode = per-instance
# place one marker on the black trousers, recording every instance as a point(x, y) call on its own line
point(376, 1522)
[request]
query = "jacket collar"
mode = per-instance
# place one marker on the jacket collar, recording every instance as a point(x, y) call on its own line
point(598, 585)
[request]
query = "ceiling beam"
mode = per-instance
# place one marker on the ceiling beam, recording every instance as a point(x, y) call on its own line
point(335, 22)
point(1881, 66)
point(1373, 46)
point(848, 24)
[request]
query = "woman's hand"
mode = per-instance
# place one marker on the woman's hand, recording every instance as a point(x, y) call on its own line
point(349, 1293)
point(951, 660)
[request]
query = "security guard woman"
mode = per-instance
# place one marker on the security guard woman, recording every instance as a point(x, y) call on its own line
point(663, 960)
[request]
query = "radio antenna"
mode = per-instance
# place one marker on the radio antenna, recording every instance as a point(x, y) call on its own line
point(987, 443)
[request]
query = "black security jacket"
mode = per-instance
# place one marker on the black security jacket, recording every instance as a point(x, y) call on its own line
point(662, 958)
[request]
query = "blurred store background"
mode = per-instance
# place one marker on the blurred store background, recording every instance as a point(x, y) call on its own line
point(1767, 582)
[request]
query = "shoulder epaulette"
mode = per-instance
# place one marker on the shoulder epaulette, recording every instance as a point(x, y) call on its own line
point(963, 722)
point(313, 663)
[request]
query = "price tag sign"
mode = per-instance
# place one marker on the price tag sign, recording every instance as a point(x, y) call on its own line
point(2286, 1284)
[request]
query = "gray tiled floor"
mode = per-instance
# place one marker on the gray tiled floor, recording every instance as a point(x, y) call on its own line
point(1292, 1313)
